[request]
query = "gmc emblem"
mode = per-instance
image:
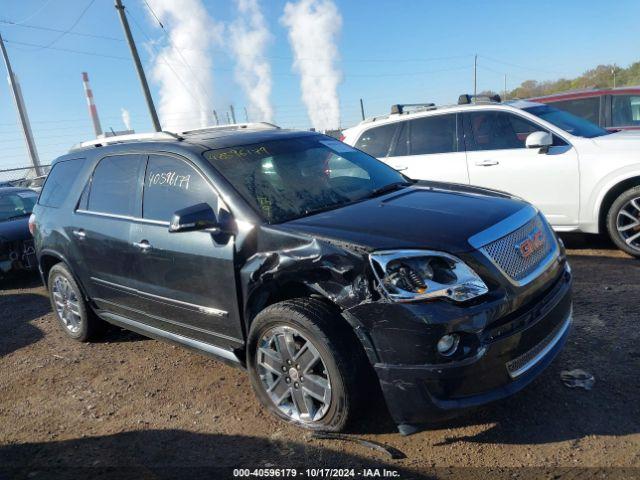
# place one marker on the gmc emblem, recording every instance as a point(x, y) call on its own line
point(534, 242)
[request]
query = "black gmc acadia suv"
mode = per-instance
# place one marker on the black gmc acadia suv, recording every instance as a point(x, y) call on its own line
point(309, 263)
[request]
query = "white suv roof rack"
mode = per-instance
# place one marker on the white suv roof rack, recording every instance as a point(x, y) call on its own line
point(124, 138)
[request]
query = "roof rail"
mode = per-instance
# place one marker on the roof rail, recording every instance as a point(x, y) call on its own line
point(232, 126)
point(98, 142)
point(399, 108)
point(466, 99)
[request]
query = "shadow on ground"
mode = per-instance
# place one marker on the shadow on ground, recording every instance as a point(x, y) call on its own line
point(164, 454)
point(17, 311)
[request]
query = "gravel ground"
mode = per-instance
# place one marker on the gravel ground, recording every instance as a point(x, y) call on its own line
point(130, 407)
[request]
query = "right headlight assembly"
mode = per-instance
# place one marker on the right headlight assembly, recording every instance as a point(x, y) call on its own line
point(411, 275)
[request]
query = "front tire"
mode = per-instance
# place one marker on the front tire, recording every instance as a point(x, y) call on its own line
point(69, 306)
point(302, 362)
point(623, 222)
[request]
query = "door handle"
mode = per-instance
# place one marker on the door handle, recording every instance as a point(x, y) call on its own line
point(80, 234)
point(487, 163)
point(143, 245)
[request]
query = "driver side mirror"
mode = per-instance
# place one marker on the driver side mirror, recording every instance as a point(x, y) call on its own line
point(200, 217)
point(541, 140)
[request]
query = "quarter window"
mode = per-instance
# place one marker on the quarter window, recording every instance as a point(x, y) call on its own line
point(377, 141)
point(171, 184)
point(58, 183)
point(114, 186)
point(434, 134)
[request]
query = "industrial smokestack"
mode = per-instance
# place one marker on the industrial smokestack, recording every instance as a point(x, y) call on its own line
point(93, 112)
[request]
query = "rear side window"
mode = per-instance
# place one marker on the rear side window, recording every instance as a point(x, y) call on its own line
point(58, 183)
point(436, 134)
point(171, 184)
point(114, 186)
point(587, 108)
point(377, 141)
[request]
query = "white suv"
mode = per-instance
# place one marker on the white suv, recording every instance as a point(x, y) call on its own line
point(583, 178)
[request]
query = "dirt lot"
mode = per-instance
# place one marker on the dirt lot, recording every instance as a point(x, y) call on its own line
point(138, 408)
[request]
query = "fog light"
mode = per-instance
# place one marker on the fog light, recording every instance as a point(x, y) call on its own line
point(448, 344)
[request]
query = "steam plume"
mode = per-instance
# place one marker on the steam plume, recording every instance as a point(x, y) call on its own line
point(183, 67)
point(126, 118)
point(314, 26)
point(249, 39)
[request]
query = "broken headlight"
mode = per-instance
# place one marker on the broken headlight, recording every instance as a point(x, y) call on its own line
point(410, 275)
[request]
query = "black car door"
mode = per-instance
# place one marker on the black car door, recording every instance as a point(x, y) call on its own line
point(101, 229)
point(186, 281)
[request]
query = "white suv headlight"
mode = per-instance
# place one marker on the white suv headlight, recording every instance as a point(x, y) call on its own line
point(410, 275)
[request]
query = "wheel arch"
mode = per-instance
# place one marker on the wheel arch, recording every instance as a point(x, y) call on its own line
point(610, 196)
point(46, 261)
point(273, 293)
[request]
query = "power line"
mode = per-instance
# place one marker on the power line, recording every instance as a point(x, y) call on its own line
point(73, 25)
point(57, 30)
point(42, 7)
point(165, 61)
point(184, 60)
point(70, 50)
point(515, 65)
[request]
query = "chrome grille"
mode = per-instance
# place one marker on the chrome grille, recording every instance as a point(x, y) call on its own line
point(505, 251)
point(530, 358)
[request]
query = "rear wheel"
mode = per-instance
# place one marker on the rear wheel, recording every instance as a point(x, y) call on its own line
point(623, 221)
point(302, 363)
point(76, 318)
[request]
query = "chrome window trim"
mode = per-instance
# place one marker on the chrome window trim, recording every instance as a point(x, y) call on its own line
point(202, 309)
point(122, 217)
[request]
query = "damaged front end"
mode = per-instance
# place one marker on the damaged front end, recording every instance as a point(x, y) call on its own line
point(17, 255)
point(444, 334)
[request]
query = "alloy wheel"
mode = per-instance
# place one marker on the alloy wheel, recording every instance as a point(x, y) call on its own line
point(67, 304)
point(293, 374)
point(628, 223)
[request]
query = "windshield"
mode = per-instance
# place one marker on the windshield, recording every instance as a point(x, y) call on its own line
point(568, 122)
point(287, 179)
point(16, 204)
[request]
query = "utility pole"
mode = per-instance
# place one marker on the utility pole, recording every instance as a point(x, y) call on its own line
point(228, 118)
point(362, 109)
point(139, 69)
point(505, 87)
point(475, 76)
point(246, 115)
point(215, 115)
point(233, 114)
point(22, 112)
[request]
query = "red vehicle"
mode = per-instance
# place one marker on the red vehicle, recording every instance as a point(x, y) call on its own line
point(613, 108)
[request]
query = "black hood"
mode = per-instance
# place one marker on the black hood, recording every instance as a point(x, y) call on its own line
point(427, 216)
point(17, 229)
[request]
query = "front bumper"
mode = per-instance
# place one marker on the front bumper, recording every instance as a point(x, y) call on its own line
point(509, 353)
point(17, 255)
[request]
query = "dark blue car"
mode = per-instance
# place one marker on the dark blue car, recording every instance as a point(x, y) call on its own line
point(16, 243)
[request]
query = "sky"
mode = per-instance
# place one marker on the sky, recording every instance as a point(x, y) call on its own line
point(388, 51)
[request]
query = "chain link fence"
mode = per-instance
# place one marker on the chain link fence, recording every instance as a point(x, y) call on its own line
point(23, 176)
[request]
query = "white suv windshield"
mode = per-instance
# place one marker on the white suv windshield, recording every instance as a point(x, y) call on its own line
point(568, 122)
